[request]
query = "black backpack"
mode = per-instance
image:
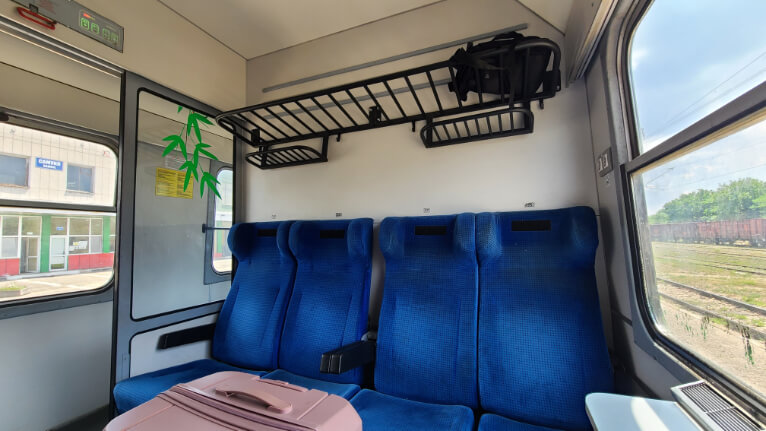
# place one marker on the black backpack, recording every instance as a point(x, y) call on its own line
point(500, 69)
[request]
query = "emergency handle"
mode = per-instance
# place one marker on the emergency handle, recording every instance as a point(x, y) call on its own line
point(271, 401)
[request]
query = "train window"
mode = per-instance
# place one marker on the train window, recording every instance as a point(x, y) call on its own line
point(689, 58)
point(702, 235)
point(55, 242)
point(221, 258)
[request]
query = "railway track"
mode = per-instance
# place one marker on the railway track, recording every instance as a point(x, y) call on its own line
point(739, 256)
point(744, 330)
point(734, 302)
point(750, 252)
point(728, 266)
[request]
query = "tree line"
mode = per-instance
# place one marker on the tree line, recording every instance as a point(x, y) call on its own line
point(736, 200)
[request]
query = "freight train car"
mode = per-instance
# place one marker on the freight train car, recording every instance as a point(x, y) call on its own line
point(746, 232)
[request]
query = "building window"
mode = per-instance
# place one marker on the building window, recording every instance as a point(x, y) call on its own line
point(14, 171)
point(56, 248)
point(79, 178)
point(9, 237)
point(700, 207)
point(112, 233)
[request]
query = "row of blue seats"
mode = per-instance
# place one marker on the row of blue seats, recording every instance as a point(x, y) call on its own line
point(300, 289)
point(495, 314)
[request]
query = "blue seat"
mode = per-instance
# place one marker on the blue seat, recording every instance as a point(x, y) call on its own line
point(248, 330)
point(490, 422)
point(541, 339)
point(384, 412)
point(426, 349)
point(329, 304)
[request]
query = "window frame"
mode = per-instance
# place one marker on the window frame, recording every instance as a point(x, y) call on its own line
point(212, 276)
point(26, 177)
point(24, 307)
point(731, 117)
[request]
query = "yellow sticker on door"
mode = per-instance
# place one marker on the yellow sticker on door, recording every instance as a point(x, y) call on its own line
point(170, 183)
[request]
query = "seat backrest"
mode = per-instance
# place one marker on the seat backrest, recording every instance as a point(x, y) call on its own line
point(328, 307)
point(427, 331)
point(250, 323)
point(541, 340)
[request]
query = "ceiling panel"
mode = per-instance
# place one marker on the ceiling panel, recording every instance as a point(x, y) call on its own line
point(257, 27)
point(556, 12)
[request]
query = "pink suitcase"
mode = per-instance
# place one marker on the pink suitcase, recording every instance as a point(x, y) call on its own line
point(232, 400)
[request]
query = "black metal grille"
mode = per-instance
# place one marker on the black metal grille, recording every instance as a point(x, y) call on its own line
point(412, 95)
point(486, 125)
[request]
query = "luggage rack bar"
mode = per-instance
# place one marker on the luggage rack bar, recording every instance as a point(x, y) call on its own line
point(486, 125)
point(417, 94)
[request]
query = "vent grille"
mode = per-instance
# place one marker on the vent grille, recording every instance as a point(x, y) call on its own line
point(705, 398)
point(712, 408)
point(732, 420)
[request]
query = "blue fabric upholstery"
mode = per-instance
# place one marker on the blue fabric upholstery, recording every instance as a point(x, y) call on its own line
point(140, 389)
point(427, 332)
point(345, 390)
point(328, 307)
point(541, 340)
point(249, 326)
point(381, 412)
point(248, 330)
point(490, 422)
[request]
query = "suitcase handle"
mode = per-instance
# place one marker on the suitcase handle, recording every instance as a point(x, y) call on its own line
point(272, 402)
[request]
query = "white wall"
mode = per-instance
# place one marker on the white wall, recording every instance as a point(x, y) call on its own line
point(54, 366)
point(160, 45)
point(388, 171)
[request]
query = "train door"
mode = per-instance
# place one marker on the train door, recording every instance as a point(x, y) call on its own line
point(176, 203)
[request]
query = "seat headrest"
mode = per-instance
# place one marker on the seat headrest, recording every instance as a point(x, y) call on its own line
point(405, 236)
point(317, 237)
point(246, 239)
point(568, 231)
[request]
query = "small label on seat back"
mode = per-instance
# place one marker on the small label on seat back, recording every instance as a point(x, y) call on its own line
point(332, 234)
point(530, 225)
point(430, 230)
point(267, 232)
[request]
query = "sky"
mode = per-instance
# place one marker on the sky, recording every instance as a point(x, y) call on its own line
point(689, 58)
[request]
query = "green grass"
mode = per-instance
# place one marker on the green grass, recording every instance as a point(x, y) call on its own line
point(12, 288)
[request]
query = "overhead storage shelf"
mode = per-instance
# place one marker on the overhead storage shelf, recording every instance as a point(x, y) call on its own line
point(418, 94)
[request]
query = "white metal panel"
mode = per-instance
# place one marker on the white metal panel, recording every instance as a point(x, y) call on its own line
point(556, 12)
point(584, 28)
point(254, 28)
point(145, 357)
point(55, 366)
point(442, 22)
point(159, 45)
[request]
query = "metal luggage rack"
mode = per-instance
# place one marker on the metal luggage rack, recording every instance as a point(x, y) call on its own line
point(486, 125)
point(417, 94)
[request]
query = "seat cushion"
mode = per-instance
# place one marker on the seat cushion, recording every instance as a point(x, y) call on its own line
point(490, 422)
point(345, 390)
point(384, 412)
point(140, 389)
